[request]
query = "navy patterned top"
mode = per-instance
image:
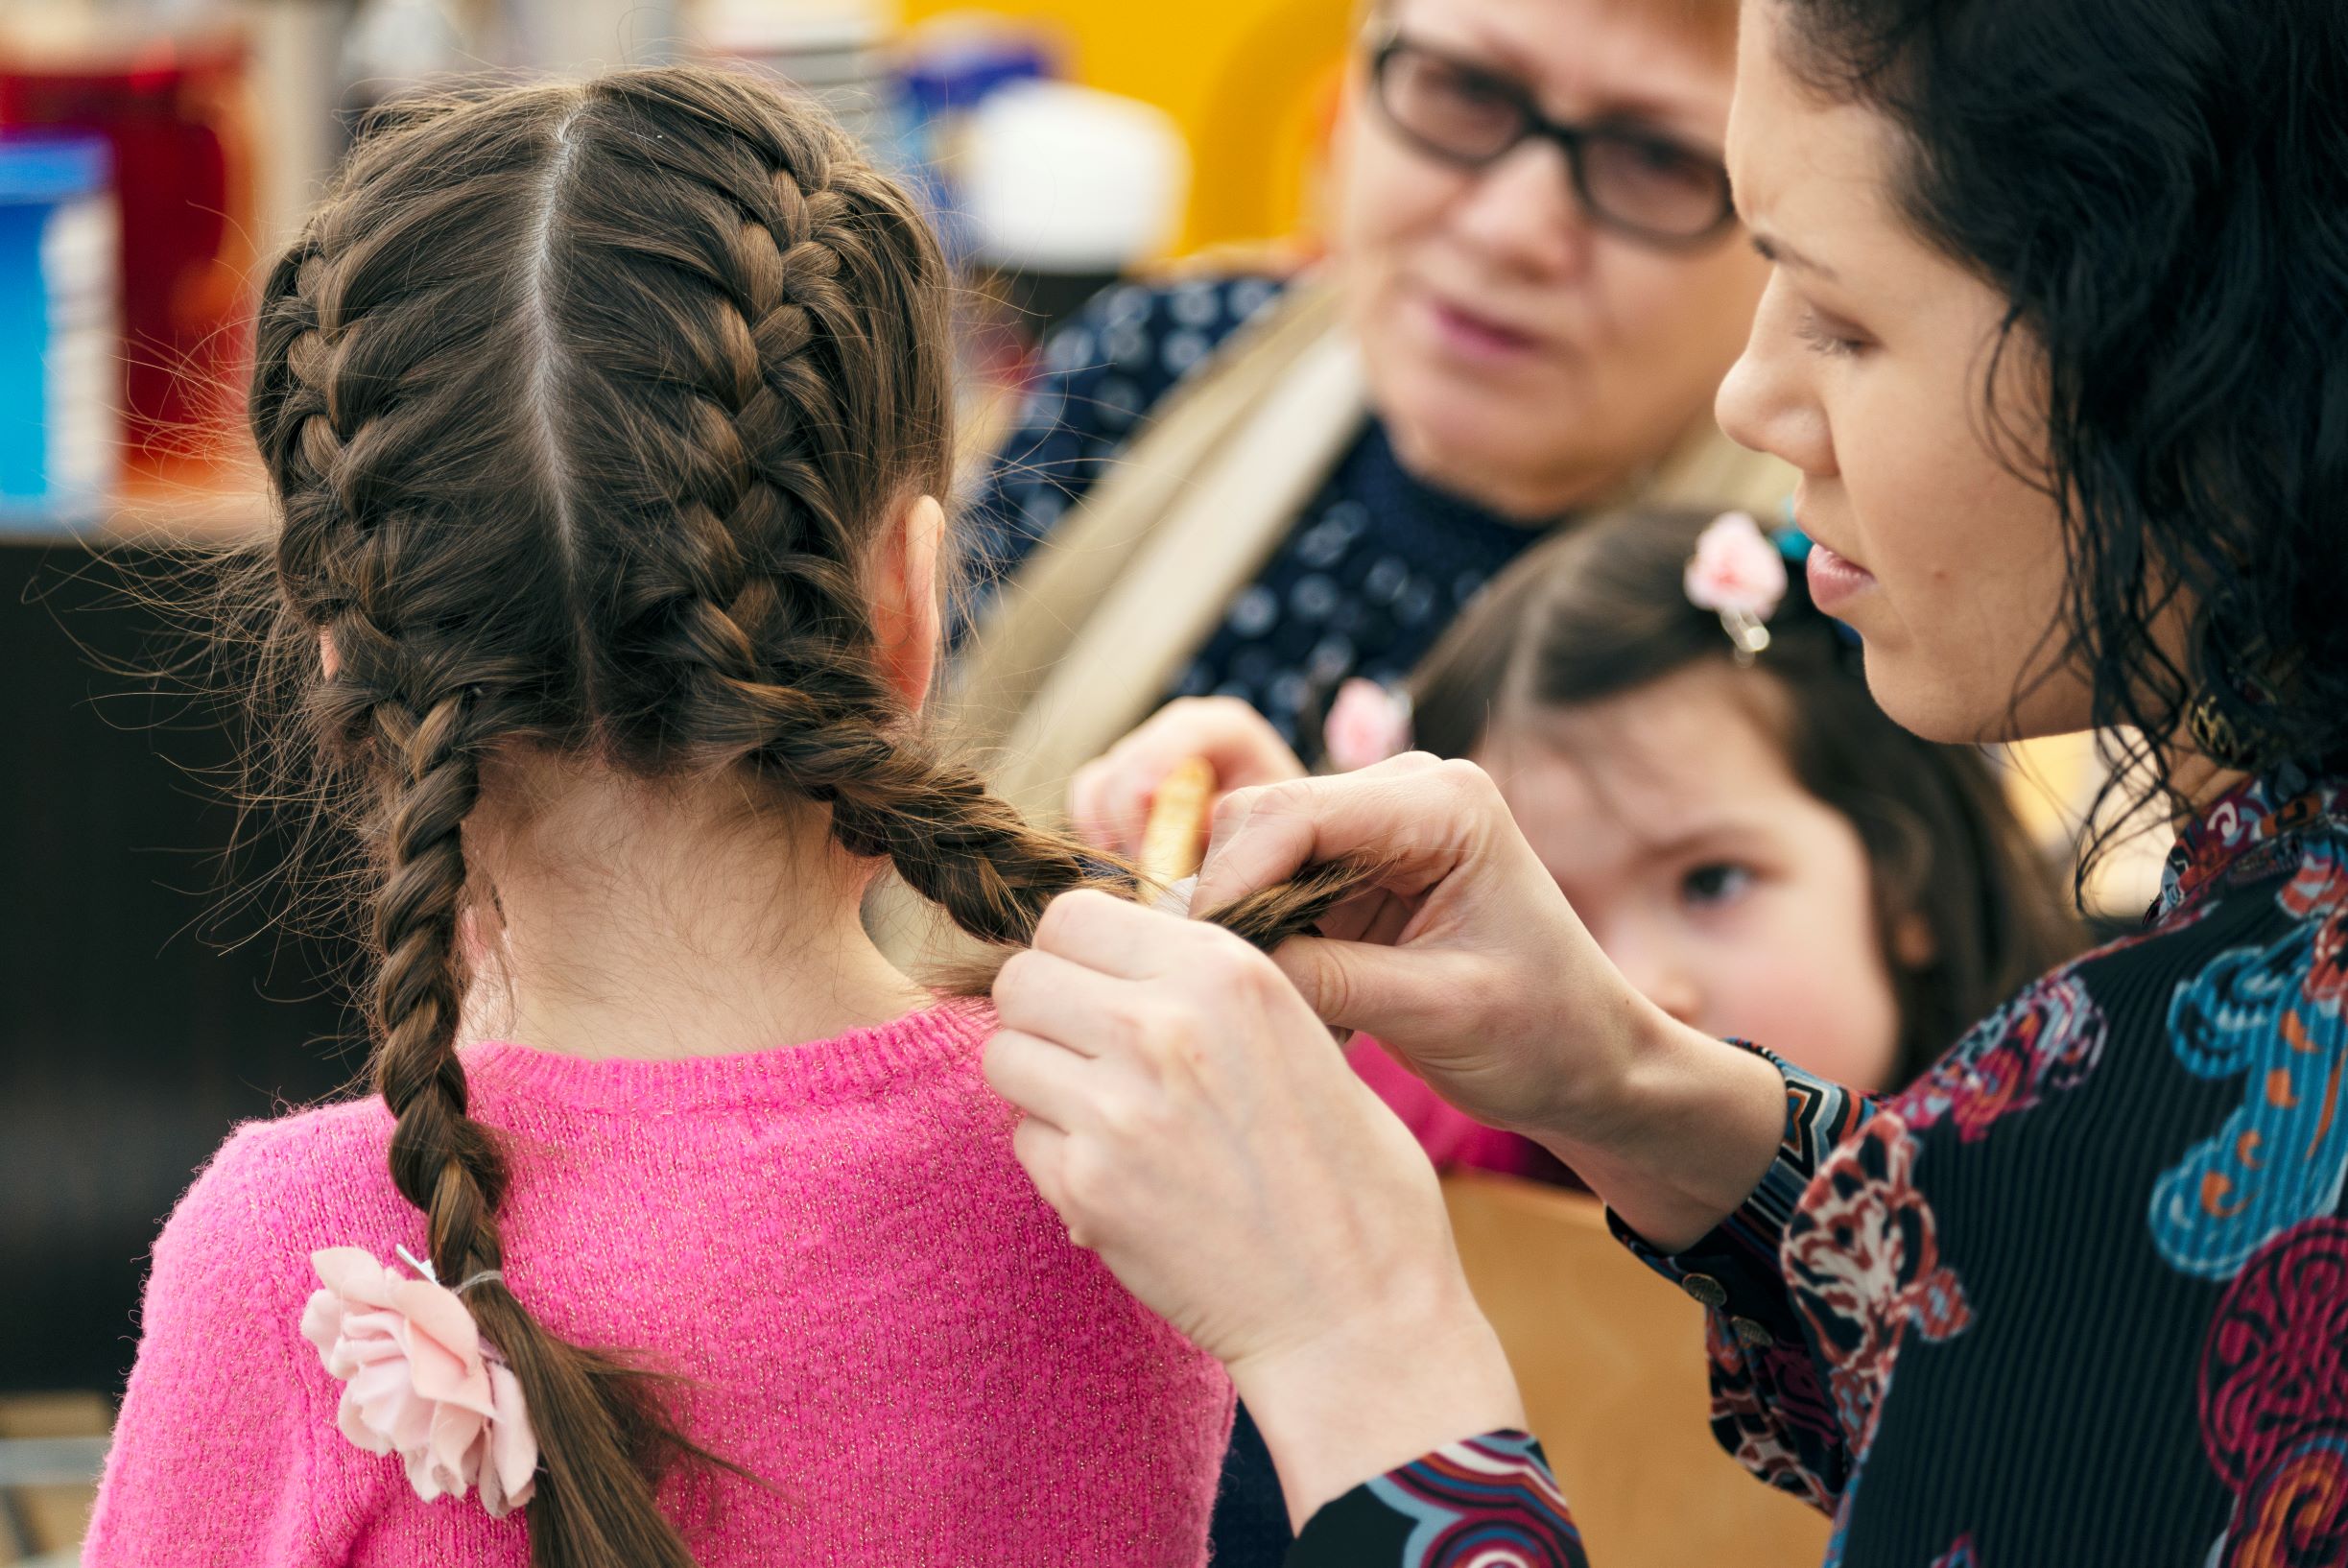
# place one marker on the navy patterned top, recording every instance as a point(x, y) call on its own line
point(1374, 569)
point(2100, 1245)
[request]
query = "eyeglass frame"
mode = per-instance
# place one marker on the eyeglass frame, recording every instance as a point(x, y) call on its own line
point(1569, 138)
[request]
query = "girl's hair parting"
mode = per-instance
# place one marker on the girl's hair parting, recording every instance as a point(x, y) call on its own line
point(584, 405)
point(2159, 188)
point(1603, 609)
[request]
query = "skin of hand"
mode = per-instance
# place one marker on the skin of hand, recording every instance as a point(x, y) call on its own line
point(1464, 959)
point(1109, 798)
point(1193, 1124)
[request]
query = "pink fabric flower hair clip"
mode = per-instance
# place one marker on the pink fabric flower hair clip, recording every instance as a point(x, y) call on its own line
point(1741, 577)
point(1367, 723)
point(419, 1381)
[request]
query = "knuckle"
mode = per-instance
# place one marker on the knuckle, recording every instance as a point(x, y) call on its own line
point(1016, 973)
point(1124, 1115)
point(1065, 914)
point(1128, 1026)
point(1254, 979)
point(1088, 1185)
point(1465, 781)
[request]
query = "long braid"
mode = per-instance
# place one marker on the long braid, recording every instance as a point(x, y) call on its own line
point(603, 1441)
point(354, 423)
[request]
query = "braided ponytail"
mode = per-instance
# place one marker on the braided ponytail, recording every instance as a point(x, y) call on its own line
point(378, 363)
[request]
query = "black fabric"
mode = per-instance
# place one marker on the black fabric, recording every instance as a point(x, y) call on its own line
point(1250, 1528)
point(1375, 567)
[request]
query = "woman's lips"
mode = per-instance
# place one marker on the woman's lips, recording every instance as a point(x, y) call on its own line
point(1834, 581)
point(1471, 335)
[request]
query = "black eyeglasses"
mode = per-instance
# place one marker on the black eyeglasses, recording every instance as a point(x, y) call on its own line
point(1645, 184)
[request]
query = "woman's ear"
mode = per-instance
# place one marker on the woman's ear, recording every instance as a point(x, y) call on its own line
point(1914, 946)
point(328, 659)
point(907, 625)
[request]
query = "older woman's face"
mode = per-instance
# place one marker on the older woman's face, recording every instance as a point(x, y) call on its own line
point(1519, 350)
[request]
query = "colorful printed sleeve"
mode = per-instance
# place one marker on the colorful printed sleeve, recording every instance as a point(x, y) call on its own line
point(1769, 1408)
point(1488, 1502)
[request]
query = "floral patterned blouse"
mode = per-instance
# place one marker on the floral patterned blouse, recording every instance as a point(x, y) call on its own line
point(2079, 1296)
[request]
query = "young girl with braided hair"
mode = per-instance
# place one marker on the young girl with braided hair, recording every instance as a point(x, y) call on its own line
point(605, 422)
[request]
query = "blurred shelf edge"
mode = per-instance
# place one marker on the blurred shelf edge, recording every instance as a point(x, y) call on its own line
point(203, 508)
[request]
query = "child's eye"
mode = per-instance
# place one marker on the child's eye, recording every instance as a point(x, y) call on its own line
point(1715, 884)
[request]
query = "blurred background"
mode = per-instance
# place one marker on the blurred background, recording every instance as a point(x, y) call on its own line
point(153, 156)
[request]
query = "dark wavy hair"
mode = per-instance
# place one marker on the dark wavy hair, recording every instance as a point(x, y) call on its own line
point(2159, 188)
point(1602, 611)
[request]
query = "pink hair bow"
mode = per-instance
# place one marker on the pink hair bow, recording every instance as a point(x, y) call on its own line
point(1739, 576)
point(419, 1381)
point(1367, 723)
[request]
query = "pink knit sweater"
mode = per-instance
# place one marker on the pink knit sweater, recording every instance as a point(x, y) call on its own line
point(830, 1242)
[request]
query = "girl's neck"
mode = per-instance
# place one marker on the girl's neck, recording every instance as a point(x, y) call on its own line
point(617, 918)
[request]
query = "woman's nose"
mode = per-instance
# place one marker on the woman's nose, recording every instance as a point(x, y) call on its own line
point(1521, 214)
point(1764, 402)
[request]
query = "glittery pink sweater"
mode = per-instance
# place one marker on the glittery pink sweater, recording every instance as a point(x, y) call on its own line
point(831, 1243)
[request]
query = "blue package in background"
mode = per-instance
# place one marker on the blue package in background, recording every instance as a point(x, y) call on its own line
point(61, 377)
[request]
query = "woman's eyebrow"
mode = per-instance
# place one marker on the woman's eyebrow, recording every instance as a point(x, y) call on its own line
point(1777, 253)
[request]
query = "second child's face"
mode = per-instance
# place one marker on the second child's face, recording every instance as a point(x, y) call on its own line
point(1725, 892)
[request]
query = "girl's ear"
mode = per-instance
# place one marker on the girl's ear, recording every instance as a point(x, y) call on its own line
point(328, 658)
point(907, 625)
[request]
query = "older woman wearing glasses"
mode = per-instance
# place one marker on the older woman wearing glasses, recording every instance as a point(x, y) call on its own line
point(1255, 488)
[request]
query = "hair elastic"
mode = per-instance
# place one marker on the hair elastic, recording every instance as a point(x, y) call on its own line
point(423, 1267)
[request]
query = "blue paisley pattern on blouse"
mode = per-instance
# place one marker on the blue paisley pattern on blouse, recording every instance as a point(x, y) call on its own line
point(2272, 1017)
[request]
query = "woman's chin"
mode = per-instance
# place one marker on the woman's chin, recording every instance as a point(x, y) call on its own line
point(2004, 702)
point(1482, 446)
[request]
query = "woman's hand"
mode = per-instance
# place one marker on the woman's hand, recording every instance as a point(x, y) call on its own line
point(1109, 798)
point(1195, 1124)
point(1464, 959)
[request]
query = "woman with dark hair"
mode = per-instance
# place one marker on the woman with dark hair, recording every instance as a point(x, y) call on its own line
point(2053, 335)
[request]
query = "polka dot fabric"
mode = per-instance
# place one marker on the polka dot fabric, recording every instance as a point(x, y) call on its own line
point(1374, 568)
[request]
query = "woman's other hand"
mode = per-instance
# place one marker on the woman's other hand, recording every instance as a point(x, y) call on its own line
point(1195, 1126)
point(1109, 798)
point(1465, 960)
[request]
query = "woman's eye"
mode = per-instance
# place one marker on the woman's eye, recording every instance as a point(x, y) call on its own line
point(1716, 884)
point(1824, 335)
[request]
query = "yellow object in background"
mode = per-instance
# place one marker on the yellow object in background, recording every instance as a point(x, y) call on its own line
point(1249, 81)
